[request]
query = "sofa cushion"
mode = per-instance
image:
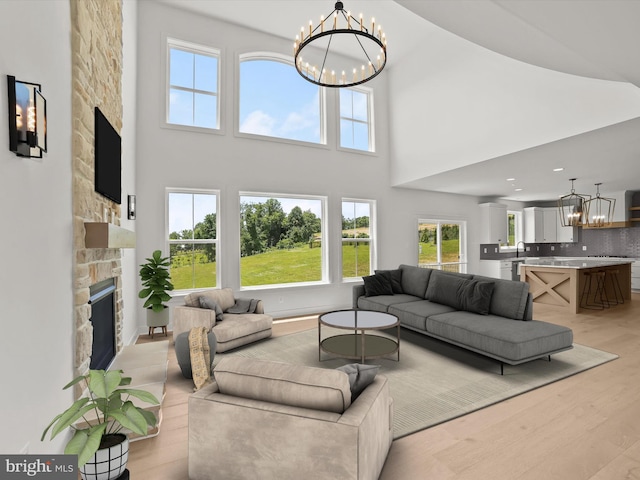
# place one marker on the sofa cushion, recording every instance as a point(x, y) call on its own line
point(381, 303)
point(509, 298)
point(223, 297)
point(445, 288)
point(499, 336)
point(285, 384)
point(237, 325)
point(395, 277)
point(360, 376)
point(208, 302)
point(414, 314)
point(375, 285)
point(415, 280)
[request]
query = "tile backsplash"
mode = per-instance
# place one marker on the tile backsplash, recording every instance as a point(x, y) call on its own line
point(610, 242)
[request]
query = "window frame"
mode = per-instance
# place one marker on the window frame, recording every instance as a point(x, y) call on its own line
point(324, 256)
point(370, 121)
point(197, 49)
point(287, 60)
point(216, 241)
point(373, 254)
point(463, 254)
point(518, 231)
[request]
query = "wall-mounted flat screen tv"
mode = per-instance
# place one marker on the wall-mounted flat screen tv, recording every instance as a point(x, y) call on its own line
point(108, 168)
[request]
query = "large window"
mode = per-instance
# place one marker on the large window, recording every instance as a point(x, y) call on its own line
point(192, 234)
point(192, 94)
point(355, 119)
point(357, 238)
point(276, 102)
point(442, 245)
point(514, 225)
point(281, 239)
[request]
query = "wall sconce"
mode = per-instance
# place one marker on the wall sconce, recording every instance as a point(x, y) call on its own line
point(27, 118)
point(131, 207)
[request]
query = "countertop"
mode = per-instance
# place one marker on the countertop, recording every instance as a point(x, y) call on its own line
point(576, 262)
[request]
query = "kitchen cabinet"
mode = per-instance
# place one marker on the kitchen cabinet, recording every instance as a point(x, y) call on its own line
point(542, 225)
point(493, 221)
point(635, 275)
point(496, 268)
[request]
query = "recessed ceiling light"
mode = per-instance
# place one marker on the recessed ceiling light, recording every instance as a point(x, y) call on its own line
point(510, 179)
point(558, 169)
point(518, 189)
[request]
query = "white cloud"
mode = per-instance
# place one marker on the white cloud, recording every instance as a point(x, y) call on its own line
point(259, 123)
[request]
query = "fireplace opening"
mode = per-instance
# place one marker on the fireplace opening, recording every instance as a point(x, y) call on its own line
point(103, 319)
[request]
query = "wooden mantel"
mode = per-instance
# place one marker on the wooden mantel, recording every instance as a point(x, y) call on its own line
point(108, 235)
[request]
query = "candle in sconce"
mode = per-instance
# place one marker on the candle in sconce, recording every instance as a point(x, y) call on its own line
point(370, 68)
point(354, 75)
point(321, 23)
point(333, 77)
point(335, 20)
point(301, 34)
point(349, 20)
point(380, 32)
point(362, 73)
point(361, 24)
point(343, 77)
point(378, 62)
point(310, 27)
point(373, 26)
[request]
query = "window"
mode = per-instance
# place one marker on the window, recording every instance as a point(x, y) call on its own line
point(355, 119)
point(192, 95)
point(192, 234)
point(442, 245)
point(357, 238)
point(281, 239)
point(276, 102)
point(514, 224)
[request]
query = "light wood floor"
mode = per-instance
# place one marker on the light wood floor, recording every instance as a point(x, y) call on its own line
point(584, 427)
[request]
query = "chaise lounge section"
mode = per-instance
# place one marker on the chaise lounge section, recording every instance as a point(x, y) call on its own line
point(493, 317)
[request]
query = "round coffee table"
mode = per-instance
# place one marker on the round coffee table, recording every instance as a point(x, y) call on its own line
point(359, 344)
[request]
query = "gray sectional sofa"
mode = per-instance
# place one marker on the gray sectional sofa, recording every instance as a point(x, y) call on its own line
point(489, 316)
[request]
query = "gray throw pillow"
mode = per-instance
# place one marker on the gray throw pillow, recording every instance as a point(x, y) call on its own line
point(206, 302)
point(394, 277)
point(183, 353)
point(445, 288)
point(377, 285)
point(475, 296)
point(360, 376)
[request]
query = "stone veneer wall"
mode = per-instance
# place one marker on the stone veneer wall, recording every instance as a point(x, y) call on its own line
point(96, 49)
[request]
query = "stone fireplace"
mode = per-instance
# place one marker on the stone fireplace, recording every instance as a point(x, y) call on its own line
point(96, 76)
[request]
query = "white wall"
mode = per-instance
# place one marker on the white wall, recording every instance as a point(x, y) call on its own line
point(481, 105)
point(36, 349)
point(173, 158)
point(129, 88)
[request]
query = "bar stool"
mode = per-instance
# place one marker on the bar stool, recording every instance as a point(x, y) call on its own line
point(614, 281)
point(600, 300)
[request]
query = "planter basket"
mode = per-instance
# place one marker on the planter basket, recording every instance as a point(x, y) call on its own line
point(107, 463)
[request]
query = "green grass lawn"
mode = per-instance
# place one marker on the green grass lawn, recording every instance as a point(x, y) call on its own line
point(301, 264)
point(450, 252)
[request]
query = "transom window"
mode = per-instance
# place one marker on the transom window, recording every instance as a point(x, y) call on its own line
point(192, 235)
point(357, 238)
point(355, 119)
point(276, 102)
point(442, 245)
point(281, 239)
point(192, 94)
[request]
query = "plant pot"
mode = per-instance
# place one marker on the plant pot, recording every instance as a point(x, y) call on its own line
point(158, 319)
point(110, 461)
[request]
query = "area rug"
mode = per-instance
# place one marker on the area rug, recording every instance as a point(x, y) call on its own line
point(434, 382)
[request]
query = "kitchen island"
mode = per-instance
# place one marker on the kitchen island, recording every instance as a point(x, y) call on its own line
point(578, 283)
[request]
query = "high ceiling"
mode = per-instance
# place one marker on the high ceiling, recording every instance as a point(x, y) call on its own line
point(592, 38)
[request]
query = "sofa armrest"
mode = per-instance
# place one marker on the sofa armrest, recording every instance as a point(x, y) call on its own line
point(528, 309)
point(358, 291)
point(185, 318)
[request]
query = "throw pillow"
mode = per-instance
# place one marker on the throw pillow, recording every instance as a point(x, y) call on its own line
point(445, 288)
point(395, 277)
point(377, 285)
point(206, 302)
point(476, 296)
point(360, 376)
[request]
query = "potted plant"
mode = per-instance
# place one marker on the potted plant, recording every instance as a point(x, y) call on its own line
point(156, 281)
point(95, 440)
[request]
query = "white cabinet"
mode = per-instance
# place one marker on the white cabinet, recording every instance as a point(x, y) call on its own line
point(635, 275)
point(542, 225)
point(493, 218)
point(496, 268)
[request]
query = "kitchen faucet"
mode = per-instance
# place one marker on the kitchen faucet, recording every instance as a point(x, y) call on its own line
point(523, 248)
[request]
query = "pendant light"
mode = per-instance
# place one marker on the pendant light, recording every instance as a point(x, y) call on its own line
point(599, 210)
point(571, 208)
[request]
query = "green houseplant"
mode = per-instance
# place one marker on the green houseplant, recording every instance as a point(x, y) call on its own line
point(156, 282)
point(112, 414)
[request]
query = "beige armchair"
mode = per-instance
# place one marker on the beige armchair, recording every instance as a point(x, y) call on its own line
point(233, 330)
point(263, 419)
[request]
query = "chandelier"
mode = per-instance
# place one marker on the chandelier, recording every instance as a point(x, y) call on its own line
point(599, 210)
point(571, 208)
point(341, 51)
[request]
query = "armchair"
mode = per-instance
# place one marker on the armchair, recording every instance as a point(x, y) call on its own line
point(231, 329)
